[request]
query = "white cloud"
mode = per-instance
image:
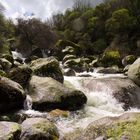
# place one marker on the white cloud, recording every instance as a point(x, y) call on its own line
point(41, 8)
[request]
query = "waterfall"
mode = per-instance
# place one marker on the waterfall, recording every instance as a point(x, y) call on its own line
point(16, 54)
point(28, 103)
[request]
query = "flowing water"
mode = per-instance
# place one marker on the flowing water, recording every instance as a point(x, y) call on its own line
point(100, 103)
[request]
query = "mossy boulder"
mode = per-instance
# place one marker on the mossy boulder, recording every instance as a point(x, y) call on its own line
point(38, 129)
point(29, 59)
point(2, 73)
point(47, 67)
point(9, 131)
point(68, 50)
point(4, 50)
point(134, 72)
point(49, 94)
point(21, 74)
point(12, 95)
point(69, 72)
point(77, 64)
point(6, 65)
point(62, 44)
point(109, 70)
point(129, 59)
point(126, 126)
point(68, 57)
point(111, 58)
point(59, 113)
point(8, 57)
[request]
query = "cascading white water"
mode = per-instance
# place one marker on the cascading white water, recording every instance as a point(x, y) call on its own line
point(16, 55)
point(99, 104)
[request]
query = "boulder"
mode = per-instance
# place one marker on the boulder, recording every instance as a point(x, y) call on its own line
point(111, 58)
point(6, 65)
point(49, 94)
point(122, 89)
point(8, 57)
point(9, 131)
point(77, 64)
point(59, 113)
point(21, 75)
point(129, 59)
point(4, 49)
point(29, 59)
point(68, 50)
point(38, 129)
point(37, 52)
point(68, 57)
point(62, 44)
point(2, 73)
point(134, 72)
point(69, 72)
point(108, 70)
point(47, 67)
point(124, 127)
point(12, 95)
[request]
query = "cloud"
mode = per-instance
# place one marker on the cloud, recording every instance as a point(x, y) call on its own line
point(42, 9)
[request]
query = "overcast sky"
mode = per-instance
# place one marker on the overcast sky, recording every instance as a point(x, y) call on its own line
point(41, 8)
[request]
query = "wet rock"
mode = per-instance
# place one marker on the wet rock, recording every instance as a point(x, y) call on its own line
point(69, 72)
point(6, 65)
point(47, 67)
point(134, 72)
point(122, 89)
point(68, 50)
point(12, 95)
point(8, 57)
point(109, 70)
point(59, 113)
point(111, 58)
point(2, 73)
point(119, 128)
point(21, 74)
point(9, 131)
point(38, 129)
point(48, 94)
point(68, 57)
point(129, 59)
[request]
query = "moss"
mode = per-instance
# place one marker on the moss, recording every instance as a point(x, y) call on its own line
point(8, 57)
point(2, 73)
point(111, 58)
point(130, 129)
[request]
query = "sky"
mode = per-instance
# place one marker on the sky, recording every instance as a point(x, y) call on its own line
point(42, 9)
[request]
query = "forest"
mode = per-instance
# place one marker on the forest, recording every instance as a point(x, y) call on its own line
point(112, 25)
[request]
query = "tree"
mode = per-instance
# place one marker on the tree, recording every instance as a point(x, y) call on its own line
point(33, 33)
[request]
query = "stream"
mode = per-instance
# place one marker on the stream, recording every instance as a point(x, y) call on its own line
point(100, 103)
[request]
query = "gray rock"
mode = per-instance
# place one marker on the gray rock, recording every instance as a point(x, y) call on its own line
point(69, 72)
point(134, 72)
point(11, 95)
point(9, 131)
point(129, 59)
point(48, 94)
point(47, 67)
point(38, 129)
point(21, 74)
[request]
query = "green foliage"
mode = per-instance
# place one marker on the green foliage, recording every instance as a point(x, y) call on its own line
point(99, 46)
point(120, 21)
point(111, 58)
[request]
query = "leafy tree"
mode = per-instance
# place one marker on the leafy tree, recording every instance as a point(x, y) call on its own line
point(33, 33)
